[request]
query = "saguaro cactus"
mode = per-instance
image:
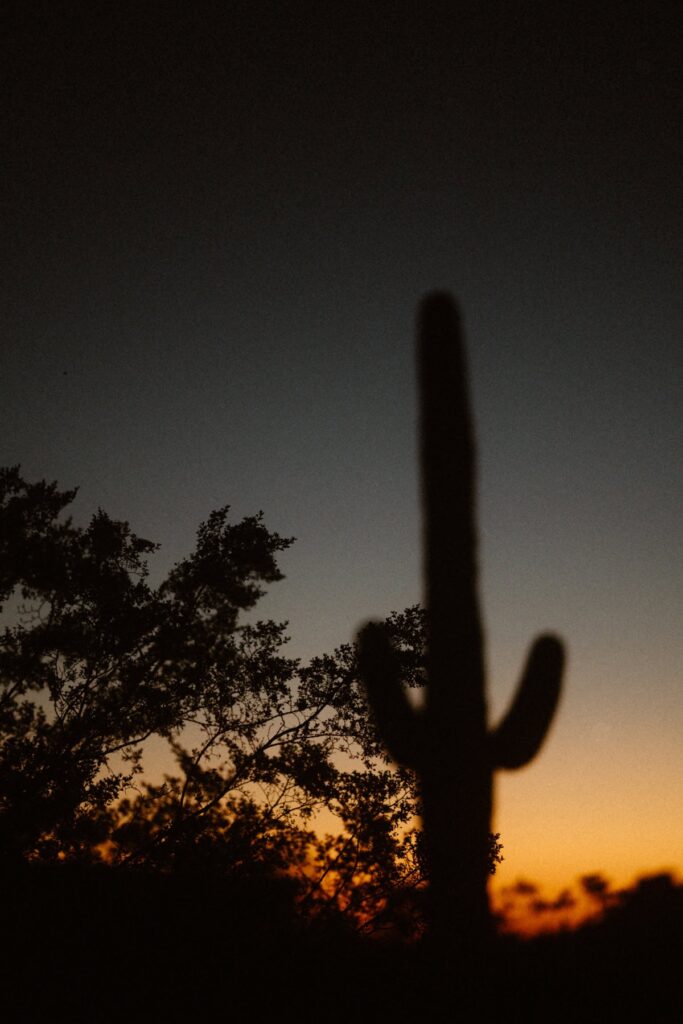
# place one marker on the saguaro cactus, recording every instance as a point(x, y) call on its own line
point(448, 743)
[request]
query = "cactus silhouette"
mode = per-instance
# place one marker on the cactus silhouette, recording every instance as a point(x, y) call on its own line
point(448, 743)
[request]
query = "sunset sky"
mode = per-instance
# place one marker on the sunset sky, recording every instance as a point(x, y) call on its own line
point(216, 233)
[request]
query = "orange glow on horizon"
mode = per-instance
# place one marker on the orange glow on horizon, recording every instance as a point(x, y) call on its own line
point(526, 909)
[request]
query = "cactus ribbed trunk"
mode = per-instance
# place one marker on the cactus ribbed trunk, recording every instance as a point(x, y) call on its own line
point(456, 777)
point(449, 744)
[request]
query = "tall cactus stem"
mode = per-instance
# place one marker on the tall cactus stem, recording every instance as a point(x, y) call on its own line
point(448, 744)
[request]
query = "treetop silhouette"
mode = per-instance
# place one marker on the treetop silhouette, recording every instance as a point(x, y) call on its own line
point(98, 661)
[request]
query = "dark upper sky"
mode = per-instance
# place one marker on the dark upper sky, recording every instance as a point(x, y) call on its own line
point(216, 228)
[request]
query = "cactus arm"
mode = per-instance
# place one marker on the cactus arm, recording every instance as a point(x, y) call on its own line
point(519, 736)
point(401, 726)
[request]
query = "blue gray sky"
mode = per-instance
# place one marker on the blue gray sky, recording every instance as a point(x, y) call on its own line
point(218, 225)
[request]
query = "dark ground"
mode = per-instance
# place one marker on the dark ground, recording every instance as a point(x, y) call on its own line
point(91, 944)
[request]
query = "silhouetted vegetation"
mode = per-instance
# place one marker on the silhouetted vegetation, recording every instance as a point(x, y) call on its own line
point(87, 942)
point(215, 890)
point(621, 963)
point(97, 661)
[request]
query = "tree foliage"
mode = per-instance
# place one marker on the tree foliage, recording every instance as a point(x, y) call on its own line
point(278, 765)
